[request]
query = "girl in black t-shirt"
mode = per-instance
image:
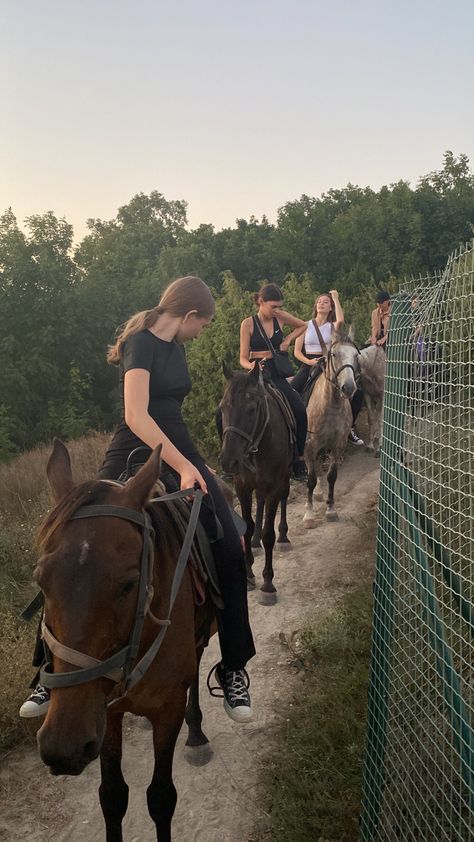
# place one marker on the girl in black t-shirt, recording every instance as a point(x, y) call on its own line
point(154, 380)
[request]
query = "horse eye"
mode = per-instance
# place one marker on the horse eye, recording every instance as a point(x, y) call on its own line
point(128, 587)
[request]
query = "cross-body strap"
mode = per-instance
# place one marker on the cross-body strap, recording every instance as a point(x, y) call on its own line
point(264, 336)
point(324, 347)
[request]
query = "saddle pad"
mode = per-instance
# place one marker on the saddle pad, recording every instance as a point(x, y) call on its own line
point(285, 408)
point(201, 557)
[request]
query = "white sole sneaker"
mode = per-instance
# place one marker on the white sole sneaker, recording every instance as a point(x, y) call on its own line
point(242, 713)
point(29, 710)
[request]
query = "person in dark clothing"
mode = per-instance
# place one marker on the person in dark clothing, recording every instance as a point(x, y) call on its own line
point(154, 380)
point(269, 322)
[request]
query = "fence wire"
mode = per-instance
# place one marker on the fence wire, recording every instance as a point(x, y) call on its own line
point(419, 769)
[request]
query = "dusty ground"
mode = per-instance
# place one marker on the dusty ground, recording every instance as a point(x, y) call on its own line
point(219, 802)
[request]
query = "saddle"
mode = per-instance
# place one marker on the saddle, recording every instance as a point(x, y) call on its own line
point(285, 410)
point(201, 560)
point(307, 390)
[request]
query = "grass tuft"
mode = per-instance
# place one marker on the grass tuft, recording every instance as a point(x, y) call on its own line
point(315, 777)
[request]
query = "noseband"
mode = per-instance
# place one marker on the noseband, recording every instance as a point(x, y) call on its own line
point(255, 437)
point(119, 667)
point(336, 372)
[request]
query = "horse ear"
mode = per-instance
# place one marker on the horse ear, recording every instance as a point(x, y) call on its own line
point(137, 490)
point(228, 373)
point(351, 333)
point(58, 470)
point(256, 371)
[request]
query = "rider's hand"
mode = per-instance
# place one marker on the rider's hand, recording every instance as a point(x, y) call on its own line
point(190, 477)
point(284, 346)
point(334, 293)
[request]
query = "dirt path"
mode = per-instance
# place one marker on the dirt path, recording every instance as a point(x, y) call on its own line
point(219, 802)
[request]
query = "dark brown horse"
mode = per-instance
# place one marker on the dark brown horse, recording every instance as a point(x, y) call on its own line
point(257, 449)
point(107, 570)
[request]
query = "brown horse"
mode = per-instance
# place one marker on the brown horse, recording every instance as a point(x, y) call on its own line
point(107, 572)
point(257, 450)
point(330, 419)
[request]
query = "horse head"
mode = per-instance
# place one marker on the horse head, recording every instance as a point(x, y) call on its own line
point(342, 363)
point(244, 417)
point(89, 571)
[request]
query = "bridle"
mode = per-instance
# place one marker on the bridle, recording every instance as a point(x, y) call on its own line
point(330, 372)
point(120, 667)
point(254, 438)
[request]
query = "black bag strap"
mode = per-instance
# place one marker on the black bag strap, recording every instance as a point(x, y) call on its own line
point(264, 336)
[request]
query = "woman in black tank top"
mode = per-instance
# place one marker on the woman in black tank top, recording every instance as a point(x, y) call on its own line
point(257, 334)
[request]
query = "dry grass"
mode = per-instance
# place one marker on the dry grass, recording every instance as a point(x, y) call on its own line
point(24, 501)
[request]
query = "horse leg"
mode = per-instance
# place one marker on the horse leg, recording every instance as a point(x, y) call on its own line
point(370, 422)
point(331, 513)
point(309, 520)
point(161, 794)
point(245, 498)
point(257, 535)
point(283, 540)
point(268, 594)
point(113, 791)
point(197, 750)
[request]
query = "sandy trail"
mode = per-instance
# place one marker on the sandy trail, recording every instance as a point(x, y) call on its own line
point(219, 801)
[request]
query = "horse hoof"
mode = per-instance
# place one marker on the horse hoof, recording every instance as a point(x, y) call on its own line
point(332, 515)
point(284, 547)
point(376, 453)
point(251, 583)
point(369, 448)
point(309, 522)
point(319, 496)
point(198, 755)
point(267, 597)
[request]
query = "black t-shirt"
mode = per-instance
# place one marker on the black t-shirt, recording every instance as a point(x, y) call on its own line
point(166, 362)
point(169, 385)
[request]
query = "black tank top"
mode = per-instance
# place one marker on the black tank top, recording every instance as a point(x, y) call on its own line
point(257, 342)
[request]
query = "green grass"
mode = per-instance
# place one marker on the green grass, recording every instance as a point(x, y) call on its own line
point(314, 780)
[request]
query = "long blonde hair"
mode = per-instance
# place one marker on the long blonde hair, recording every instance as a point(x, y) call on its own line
point(179, 298)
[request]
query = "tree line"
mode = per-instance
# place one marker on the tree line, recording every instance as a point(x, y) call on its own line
point(60, 305)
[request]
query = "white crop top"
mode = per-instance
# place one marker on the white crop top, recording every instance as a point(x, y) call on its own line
point(312, 344)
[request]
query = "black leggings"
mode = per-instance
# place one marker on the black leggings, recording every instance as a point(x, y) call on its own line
point(301, 377)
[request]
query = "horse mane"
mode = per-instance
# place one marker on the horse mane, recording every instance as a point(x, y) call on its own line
point(86, 493)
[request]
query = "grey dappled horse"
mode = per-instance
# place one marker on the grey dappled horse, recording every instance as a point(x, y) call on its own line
point(372, 374)
point(330, 419)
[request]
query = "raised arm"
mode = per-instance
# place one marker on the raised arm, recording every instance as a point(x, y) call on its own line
point(339, 320)
point(299, 326)
point(136, 397)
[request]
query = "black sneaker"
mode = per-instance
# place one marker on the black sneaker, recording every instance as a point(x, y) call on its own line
point(300, 471)
point(234, 685)
point(36, 704)
point(354, 438)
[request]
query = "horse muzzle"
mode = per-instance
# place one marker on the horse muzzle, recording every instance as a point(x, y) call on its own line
point(67, 745)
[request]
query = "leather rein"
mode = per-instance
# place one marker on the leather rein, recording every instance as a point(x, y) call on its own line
point(254, 438)
point(120, 667)
point(330, 359)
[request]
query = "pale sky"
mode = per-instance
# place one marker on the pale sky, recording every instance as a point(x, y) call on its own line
point(236, 107)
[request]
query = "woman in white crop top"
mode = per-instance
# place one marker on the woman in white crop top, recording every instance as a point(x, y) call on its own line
point(328, 315)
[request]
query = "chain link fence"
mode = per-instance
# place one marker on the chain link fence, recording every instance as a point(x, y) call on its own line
point(419, 769)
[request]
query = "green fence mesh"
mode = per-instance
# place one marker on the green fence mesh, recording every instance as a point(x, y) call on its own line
point(419, 768)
